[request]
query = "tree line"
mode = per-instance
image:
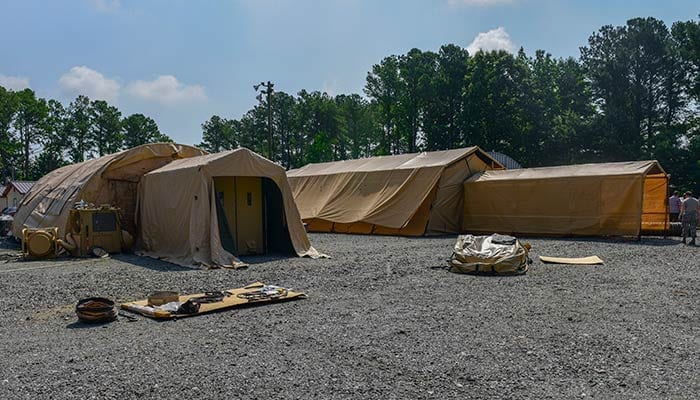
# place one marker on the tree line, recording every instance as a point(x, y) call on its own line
point(633, 94)
point(39, 135)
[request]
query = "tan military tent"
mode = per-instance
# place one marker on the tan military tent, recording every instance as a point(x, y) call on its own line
point(408, 194)
point(623, 198)
point(208, 209)
point(111, 179)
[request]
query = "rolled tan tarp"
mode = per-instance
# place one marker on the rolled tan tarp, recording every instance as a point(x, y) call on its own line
point(111, 179)
point(623, 198)
point(407, 194)
point(177, 210)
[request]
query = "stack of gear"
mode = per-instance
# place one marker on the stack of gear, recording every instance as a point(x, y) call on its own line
point(165, 305)
point(95, 310)
point(491, 255)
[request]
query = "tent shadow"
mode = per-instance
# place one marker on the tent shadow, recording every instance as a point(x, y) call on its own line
point(264, 258)
point(644, 241)
point(152, 263)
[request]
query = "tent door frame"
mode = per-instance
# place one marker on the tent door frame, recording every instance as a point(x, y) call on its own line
point(230, 203)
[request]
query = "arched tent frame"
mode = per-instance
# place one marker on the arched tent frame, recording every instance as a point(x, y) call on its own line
point(111, 179)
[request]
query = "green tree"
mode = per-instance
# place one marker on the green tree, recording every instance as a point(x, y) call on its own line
point(78, 127)
point(106, 129)
point(218, 135)
point(358, 124)
point(54, 142)
point(138, 129)
point(29, 121)
point(416, 71)
point(444, 104)
point(8, 143)
point(284, 122)
point(383, 86)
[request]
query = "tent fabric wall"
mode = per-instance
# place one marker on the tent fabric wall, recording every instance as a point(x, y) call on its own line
point(177, 208)
point(110, 179)
point(407, 194)
point(587, 199)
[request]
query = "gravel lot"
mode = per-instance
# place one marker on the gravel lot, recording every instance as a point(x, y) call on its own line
point(379, 323)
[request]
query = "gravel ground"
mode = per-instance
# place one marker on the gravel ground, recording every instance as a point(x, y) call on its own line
point(379, 323)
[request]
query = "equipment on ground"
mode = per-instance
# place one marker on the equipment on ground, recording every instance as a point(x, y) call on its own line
point(163, 297)
point(489, 255)
point(40, 243)
point(96, 310)
point(92, 226)
point(202, 303)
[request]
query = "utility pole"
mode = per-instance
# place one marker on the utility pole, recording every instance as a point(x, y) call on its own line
point(267, 91)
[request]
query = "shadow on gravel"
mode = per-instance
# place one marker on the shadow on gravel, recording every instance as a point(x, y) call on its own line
point(151, 263)
point(261, 259)
point(9, 243)
point(85, 325)
point(645, 241)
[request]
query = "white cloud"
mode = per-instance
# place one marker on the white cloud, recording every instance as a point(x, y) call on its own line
point(478, 3)
point(106, 6)
point(166, 89)
point(86, 81)
point(495, 39)
point(14, 82)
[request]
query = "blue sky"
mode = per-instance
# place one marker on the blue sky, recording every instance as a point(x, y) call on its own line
point(182, 61)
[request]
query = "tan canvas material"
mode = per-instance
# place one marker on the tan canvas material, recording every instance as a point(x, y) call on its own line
point(407, 194)
point(111, 179)
point(177, 210)
point(489, 255)
point(624, 198)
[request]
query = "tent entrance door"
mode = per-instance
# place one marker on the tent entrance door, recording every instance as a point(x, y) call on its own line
point(242, 202)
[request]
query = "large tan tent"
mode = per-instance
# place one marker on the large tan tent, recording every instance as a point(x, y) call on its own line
point(111, 179)
point(408, 194)
point(209, 209)
point(623, 198)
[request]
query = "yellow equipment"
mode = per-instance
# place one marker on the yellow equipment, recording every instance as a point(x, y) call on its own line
point(40, 243)
point(95, 227)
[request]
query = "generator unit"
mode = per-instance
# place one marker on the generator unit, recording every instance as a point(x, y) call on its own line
point(92, 227)
point(40, 244)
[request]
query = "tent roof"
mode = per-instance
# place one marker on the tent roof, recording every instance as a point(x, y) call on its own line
point(387, 163)
point(209, 159)
point(570, 171)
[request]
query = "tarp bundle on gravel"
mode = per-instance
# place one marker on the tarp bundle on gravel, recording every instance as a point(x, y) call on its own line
point(407, 194)
point(495, 254)
point(178, 212)
point(623, 198)
point(111, 179)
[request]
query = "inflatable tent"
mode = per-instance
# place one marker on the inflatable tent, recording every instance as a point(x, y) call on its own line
point(210, 209)
point(111, 179)
point(623, 198)
point(407, 194)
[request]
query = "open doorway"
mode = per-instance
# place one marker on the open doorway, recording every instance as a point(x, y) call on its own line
point(250, 212)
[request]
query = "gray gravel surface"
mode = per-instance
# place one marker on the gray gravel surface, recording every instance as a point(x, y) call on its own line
point(380, 322)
